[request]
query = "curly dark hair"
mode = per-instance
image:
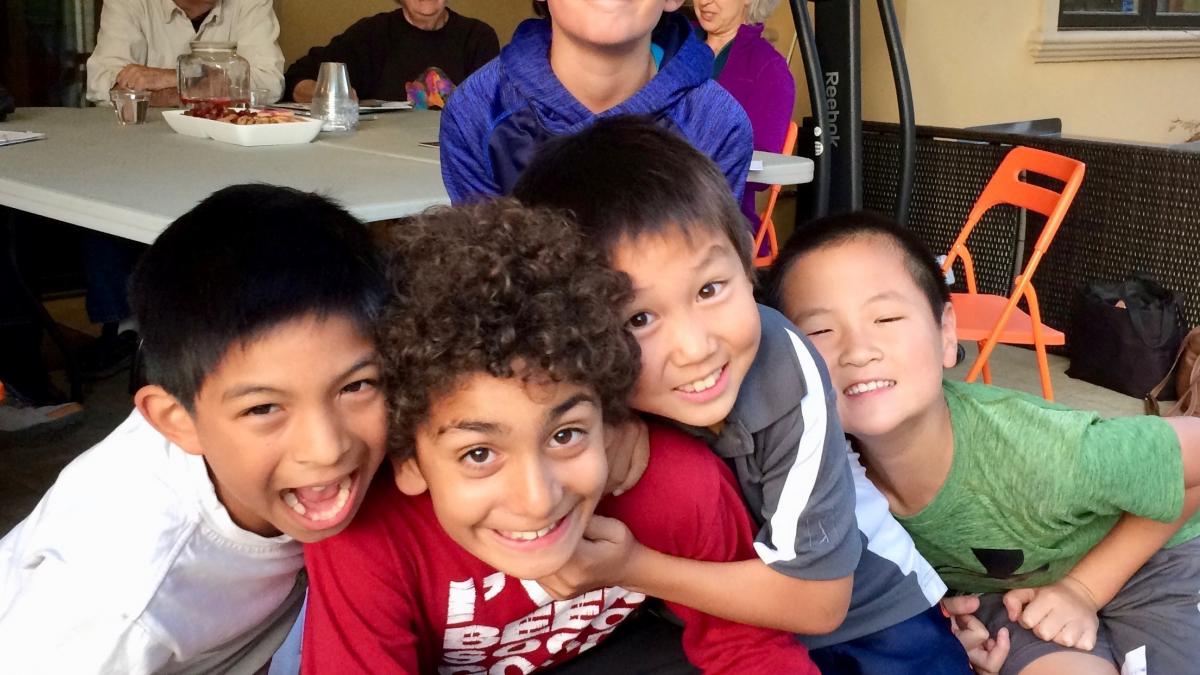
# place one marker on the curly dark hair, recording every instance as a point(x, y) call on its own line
point(500, 288)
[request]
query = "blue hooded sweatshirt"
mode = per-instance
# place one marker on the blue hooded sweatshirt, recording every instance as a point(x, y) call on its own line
point(497, 119)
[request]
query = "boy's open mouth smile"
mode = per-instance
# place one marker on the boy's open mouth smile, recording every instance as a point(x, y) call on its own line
point(706, 388)
point(322, 506)
point(868, 386)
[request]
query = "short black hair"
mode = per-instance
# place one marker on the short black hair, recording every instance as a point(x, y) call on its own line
point(625, 177)
point(244, 260)
point(490, 288)
point(831, 230)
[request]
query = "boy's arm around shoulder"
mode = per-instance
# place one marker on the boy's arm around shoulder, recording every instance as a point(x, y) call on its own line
point(699, 515)
point(716, 571)
point(362, 608)
point(806, 498)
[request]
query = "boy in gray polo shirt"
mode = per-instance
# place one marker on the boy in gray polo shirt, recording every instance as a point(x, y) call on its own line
point(740, 376)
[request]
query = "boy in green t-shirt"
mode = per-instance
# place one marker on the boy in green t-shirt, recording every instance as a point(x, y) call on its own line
point(1049, 512)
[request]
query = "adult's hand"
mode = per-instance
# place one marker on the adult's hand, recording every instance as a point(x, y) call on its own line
point(135, 76)
point(303, 91)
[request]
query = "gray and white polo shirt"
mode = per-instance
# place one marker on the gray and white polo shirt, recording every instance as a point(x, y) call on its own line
point(819, 516)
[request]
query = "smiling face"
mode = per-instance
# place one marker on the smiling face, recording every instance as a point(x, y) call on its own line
point(862, 310)
point(606, 24)
point(514, 467)
point(719, 17)
point(695, 319)
point(292, 426)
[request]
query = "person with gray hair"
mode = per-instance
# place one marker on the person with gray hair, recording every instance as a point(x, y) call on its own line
point(750, 69)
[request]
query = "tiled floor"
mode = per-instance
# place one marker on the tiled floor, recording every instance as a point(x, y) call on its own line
point(29, 462)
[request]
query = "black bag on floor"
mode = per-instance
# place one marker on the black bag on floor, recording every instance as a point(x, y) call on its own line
point(1125, 335)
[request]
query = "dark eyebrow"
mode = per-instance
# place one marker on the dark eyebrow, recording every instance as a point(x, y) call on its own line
point(470, 425)
point(481, 427)
point(247, 389)
point(566, 406)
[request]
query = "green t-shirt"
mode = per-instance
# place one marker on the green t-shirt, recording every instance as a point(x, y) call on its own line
point(1034, 486)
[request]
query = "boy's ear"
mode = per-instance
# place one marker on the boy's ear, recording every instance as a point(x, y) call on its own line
point(165, 413)
point(672, 5)
point(949, 336)
point(408, 476)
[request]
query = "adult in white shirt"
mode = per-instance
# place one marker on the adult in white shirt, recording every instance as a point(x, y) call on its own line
point(141, 40)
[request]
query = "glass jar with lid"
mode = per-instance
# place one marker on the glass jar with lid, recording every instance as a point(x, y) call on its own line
point(212, 72)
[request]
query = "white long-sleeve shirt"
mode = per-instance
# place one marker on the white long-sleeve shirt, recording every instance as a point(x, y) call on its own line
point(130, 564)
point(155, 33)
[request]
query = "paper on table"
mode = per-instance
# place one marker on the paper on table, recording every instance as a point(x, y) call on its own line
point(756, 165)
point(14, 137)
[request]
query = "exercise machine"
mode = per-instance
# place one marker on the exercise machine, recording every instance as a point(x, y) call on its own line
point(830, 45)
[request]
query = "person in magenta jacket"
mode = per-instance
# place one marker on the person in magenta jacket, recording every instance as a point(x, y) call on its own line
point(750, 69)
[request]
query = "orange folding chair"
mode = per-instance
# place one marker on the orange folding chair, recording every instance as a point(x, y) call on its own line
point(992, 319)
point(766, 226)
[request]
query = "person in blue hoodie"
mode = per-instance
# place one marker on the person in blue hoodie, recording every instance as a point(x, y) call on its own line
point(586, 62)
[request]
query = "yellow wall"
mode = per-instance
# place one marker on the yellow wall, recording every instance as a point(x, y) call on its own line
point(969, 61)
point(971, 64)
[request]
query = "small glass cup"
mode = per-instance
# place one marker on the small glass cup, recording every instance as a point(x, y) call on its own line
point(332, 101)
point(130, 105)
point(255, 98)
point(260, 98)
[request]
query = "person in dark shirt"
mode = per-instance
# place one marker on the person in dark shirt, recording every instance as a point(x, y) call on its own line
point(385, 51)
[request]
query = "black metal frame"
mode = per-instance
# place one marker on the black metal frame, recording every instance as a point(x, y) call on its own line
point(839, 44)
point(833, 68)
point(1146, 18)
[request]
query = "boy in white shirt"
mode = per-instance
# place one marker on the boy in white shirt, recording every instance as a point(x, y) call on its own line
point(173, 545)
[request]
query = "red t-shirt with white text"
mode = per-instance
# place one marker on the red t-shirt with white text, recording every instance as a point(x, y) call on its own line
point(393, 593)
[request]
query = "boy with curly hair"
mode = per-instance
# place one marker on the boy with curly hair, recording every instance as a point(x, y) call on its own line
point(740, 376)
point(506, 357)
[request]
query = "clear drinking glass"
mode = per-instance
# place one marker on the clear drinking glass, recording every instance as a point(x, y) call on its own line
point(130, 105)
point(331, 101)
point(260, 97)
